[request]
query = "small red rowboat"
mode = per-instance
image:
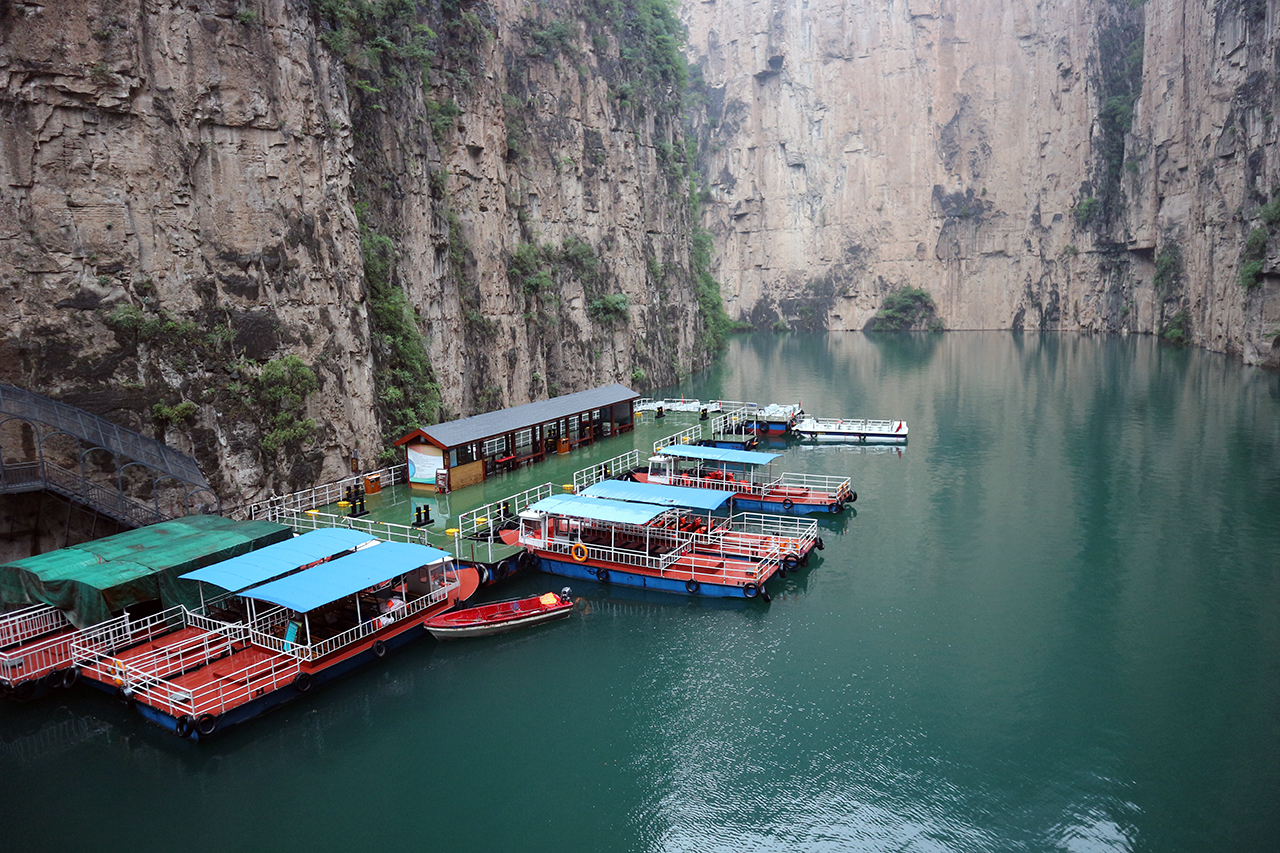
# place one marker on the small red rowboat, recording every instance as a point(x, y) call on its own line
point(498, 617)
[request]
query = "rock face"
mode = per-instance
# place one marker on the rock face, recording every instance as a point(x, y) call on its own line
point(978, 150)
point(192, 191)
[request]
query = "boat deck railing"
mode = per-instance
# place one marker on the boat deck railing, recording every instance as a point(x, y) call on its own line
point(759, 534)
point(167, 660)
point(748, 547)
point(602, 471)
point(817, 483)
point(852, 424)
point(655, 555)
point(223, 692)
point(91, 645)
point(263, 637)
point(20, 626)
point(825, 486)
point(35, 659)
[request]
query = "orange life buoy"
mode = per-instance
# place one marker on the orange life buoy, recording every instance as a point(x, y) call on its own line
point(579, 552)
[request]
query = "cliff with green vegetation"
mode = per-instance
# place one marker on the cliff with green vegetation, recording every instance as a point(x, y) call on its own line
point(278, 234)
point(1107, 166)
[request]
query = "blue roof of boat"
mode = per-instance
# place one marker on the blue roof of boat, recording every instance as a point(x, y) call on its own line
point(719, 454)
point(656, 493)
point(274, 560)
point(345, 576)
point(599, 509)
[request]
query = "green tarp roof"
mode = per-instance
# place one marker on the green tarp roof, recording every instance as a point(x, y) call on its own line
point(95, 580)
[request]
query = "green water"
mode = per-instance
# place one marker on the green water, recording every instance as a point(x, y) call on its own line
point(1052, 624)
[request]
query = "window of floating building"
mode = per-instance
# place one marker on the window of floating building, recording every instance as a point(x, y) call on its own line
point(495, 447)
point(524, 442)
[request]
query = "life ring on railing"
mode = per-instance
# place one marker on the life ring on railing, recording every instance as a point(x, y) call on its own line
point(206, 724)
point(787, 503)
point(692, 586)
point(579, 552)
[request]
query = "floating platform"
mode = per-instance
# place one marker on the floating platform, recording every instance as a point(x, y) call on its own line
point(852, 431)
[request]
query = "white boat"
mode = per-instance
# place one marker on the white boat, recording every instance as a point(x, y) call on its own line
point(852, 430)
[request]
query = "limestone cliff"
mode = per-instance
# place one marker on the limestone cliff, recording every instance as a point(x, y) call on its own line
point(1098, 165)
point(275, 232)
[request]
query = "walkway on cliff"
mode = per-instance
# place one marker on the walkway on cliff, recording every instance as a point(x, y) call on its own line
point(33, 467)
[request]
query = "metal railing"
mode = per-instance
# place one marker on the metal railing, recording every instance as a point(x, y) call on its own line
point(692, 435)
point(613, 553)
point(165, 661)
point(317, 496)
point(481, 519)
point(32, 476)
point(227, 691)
point(825, 488)
point(19, 626)
point(855, 425)
point(604, 470)
point(313, 519)
point(34, 660)
point(760, 534)
point(91, 645)
point(731, 422)
point(324, 648)
point(645, 404)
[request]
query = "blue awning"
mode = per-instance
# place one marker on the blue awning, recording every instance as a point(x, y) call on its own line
point(598, 509)
point(655, 493)
point(719, 454)
point(319, 585)
point(274, 560)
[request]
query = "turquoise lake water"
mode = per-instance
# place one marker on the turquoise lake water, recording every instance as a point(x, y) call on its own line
point(1052, 623)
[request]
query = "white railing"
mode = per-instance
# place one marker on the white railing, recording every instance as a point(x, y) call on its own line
point(604, 470)
point(481, 520)
point(19, 626)
point(33, 660)
point(314, 519)
point(316, 651)
point(106, 638)
point(170, 659)
point(824, 487)
point(227, 691)
point(649, 404)
point(621, 555)
point(730, 422)
point(761, 533)
point(692, 435)
point(317, 496)
point(857, 425)
point(838, 488)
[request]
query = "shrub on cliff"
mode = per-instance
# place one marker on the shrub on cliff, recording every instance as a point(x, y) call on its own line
point(1253, 258)
point(908, 308)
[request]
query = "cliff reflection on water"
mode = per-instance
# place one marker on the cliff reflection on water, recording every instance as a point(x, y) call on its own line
point(1050, 624)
